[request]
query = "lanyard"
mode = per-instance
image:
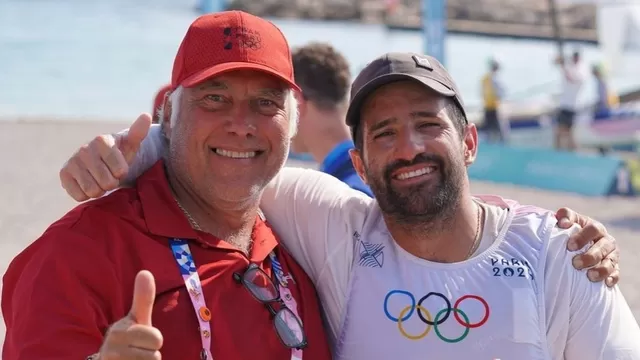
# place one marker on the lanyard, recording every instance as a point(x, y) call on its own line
point(182, 255)
point(287, 297)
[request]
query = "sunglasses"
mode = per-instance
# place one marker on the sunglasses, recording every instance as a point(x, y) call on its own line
point(262, 287)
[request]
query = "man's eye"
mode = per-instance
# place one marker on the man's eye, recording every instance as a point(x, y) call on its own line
point(213, 97)
point(266, 103)
point(382, 134)
point(426, 125)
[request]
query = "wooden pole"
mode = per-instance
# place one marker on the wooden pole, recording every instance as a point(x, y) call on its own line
point(557, 31)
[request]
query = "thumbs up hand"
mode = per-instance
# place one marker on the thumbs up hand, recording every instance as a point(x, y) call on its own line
point(129, 143)
point(133, 337)
point(98, 166)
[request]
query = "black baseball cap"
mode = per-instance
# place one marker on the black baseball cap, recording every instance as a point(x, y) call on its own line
point(398, 66)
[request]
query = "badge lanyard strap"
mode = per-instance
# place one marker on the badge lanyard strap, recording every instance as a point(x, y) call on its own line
point(286, 296)
point(188, 271)
point(182, 255)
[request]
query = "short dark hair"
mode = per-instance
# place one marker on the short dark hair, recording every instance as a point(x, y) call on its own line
point(322, 73)
point(453, 110)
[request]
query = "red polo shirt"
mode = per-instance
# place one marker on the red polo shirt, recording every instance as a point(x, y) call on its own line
point(61, 293)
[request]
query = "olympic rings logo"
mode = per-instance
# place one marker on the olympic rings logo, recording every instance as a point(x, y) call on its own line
point(440, 317)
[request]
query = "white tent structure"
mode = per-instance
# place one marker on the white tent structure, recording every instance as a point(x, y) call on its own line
point(618, 24)
point(618, 29)
point(618, 35)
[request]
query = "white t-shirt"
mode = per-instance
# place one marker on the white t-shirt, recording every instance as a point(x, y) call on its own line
point(571, 88)
point(323, 223)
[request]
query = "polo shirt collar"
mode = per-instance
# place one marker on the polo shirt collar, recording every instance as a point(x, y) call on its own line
point(164, 217)
point(161, 211)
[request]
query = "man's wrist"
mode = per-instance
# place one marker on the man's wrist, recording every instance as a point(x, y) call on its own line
point(95, 356)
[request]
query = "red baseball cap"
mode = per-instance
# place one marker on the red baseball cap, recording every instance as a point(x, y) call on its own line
point(231, 40)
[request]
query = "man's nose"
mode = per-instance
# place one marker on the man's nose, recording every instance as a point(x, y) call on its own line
point(409, 145)
point(241, 122)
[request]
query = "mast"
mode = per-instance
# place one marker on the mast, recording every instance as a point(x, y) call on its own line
point(555, 24)
point(434, 28)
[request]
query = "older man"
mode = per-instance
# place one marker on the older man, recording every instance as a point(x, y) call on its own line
point(425, 219)
point(223, 287)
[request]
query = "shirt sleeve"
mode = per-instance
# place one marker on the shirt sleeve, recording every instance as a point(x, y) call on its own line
point(151, 150)
point(54, 299)
point(585, 320)
point(315, 216)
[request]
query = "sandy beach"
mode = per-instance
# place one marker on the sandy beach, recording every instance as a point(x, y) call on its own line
point(32, 153)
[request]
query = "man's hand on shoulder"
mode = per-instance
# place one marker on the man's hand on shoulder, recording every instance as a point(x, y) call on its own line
point(601, 257)
point(100, 165)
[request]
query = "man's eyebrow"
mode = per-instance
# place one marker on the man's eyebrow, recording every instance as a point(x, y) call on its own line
point(212, 84)
point(277, 93)
point(381, 124)
point(219, 85)
point(424, 114)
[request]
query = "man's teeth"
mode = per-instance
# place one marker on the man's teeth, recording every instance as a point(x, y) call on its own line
point(236, 154)
point(412, 174)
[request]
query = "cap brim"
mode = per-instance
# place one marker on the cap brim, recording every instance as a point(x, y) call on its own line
point(356, 101)
point(216, 70)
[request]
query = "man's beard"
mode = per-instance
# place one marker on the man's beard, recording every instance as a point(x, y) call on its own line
point(424, 203)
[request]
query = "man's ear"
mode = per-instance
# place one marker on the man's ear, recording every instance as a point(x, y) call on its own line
point(470, 143)
point(165, 124)
point(358, 164)
point(302, 104)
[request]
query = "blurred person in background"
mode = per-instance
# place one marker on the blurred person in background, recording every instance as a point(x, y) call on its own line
point(634, 171)
point(184, 265)
point(492, 94)
point(606, 99)
point(322, 73)
point(606, 96)
point(158, 101)
point(573, 78)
